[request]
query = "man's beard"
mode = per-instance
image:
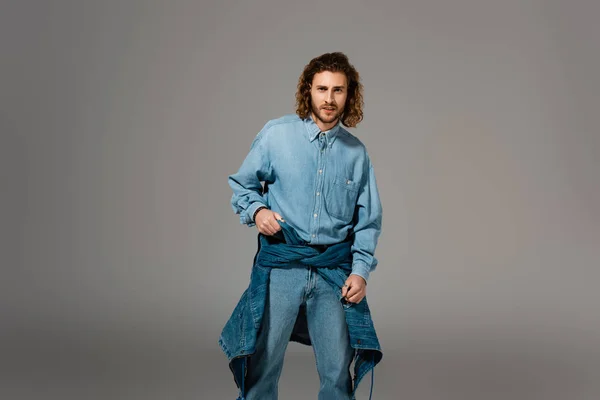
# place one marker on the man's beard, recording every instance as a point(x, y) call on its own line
point(320, 114)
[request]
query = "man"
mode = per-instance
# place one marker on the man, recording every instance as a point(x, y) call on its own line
point(320, 185)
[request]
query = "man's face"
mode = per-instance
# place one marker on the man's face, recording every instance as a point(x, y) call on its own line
point(328, 93)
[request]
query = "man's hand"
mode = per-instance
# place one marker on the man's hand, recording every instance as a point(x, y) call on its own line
point(355, 288)
point(266, 222)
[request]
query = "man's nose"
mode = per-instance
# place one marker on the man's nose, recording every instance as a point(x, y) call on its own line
point(330, 96)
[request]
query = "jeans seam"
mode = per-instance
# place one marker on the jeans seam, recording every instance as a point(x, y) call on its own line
point(308, 287)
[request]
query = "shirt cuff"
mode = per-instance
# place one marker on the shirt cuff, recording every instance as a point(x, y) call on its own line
point(246, 218)
point(361, 269)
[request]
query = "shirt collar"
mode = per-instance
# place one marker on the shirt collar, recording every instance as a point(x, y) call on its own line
point(313, 130)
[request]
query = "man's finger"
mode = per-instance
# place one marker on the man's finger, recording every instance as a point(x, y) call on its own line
point(266, 229)
point(277, 216)
point(274, 225)
point(352, 291)
point(345, 289)
point(356, 298)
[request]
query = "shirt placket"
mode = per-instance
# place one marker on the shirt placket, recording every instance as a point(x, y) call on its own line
point(318, 196)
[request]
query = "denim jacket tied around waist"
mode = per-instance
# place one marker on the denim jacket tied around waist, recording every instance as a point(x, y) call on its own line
point(239, 335)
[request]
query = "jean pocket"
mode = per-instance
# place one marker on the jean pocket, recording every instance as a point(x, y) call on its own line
point(341, 198)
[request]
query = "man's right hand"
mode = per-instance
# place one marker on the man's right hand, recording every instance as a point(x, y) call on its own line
point(266, 222)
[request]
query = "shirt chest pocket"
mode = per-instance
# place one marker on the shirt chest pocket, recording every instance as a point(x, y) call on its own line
point(341, 198)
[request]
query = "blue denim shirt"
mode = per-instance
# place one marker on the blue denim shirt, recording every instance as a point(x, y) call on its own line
point(239, 335)
point(321, 183)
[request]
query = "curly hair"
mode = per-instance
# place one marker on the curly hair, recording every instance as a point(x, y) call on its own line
point(333, 62)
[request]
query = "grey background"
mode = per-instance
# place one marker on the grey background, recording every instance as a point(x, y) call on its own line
point(122, 259)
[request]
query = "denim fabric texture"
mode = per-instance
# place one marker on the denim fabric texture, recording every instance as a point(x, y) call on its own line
point(322, 183)
point(293, 290)
point(238, 339)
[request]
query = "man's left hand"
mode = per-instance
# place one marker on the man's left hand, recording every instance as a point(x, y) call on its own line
point(355, 288)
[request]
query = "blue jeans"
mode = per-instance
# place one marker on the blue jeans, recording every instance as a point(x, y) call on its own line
point(289, 288)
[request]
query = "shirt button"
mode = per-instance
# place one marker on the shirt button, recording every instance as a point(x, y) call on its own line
point(318, 193)
point(320, 171)
point(313, 235)
point(315, 215)
point(348, 182)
